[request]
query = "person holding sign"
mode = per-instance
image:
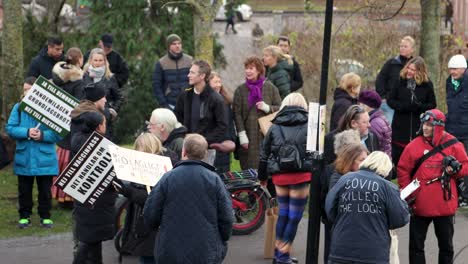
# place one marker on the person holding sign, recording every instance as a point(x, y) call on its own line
point(136, 239)
point(92, 224)
point(192, 188)
point(363, 207)
point(441, 159)
point(35, 158)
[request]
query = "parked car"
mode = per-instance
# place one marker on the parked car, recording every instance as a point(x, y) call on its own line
point(243, 12)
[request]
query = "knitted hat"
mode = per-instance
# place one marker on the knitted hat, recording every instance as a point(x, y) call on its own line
point(107, 40)
point(457, 61)
point(171, 38)
point(94, 93)
point(370, 98)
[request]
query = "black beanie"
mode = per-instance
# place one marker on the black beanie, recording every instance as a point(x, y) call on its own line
point(94, 93)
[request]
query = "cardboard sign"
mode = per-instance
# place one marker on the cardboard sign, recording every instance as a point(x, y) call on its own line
point(139, 167)
point(90, 172)
point(50, 105)
point(316, 127)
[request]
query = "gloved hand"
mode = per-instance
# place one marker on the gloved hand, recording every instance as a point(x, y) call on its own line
point(243, 139)
point(263, 106)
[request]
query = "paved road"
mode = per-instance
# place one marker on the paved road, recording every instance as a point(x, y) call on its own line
point(57, 249)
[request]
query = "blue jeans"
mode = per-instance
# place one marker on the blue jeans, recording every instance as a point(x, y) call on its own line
point(147, 260)
point(388, 112)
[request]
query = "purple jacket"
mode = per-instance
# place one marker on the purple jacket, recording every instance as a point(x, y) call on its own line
point(381, 128)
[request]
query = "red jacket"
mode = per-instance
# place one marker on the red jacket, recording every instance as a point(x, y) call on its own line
point(429, 198)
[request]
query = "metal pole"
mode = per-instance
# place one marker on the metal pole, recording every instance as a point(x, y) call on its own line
point(313, 230)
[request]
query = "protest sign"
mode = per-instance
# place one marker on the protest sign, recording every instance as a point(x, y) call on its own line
point(50, 105)
point(316, 127)
point(139, 167)
point(90, 172)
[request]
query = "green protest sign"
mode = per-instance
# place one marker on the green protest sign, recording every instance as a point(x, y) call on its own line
point(50, 105)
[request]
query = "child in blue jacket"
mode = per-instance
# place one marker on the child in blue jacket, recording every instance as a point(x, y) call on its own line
point(35, 158)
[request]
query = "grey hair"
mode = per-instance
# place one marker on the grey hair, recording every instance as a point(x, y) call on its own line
point(379, 162)
point(345, 138)
point(167, 118)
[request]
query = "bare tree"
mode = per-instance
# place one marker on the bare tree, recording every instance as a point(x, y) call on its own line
point(12, 56)
point(430, 39)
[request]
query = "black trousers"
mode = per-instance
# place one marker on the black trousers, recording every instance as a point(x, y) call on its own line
point(25, 192)
point(88, 253)
point(443, 227)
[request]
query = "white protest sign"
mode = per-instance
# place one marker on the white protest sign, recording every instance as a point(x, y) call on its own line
point(312, 127)
point(321, 129)
point(90, 172)
point(408, 190)
point(50, 105)
point(139, 167)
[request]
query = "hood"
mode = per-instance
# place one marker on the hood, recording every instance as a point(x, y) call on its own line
point(342, 94)
point(63, 73)
point(437, 118)
point(291, 116)
point(283, 64)
point(179, 132)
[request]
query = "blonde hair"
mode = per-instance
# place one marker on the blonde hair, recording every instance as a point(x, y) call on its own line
point(421, 70)
point(410, 40)
point(99, 51)
point(379, 162)
point(149, 143)
point(294, 99)
point(349, 81)
point(276, 52)
point(346, 157)
point(225, 93)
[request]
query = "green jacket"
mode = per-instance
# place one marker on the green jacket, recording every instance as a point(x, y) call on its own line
point(279, 76)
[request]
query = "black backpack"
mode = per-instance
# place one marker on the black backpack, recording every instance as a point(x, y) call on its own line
point(289, 156)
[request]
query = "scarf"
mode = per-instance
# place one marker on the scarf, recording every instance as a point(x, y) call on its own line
point(96, 73)
point(455, 83)
point(255, 91)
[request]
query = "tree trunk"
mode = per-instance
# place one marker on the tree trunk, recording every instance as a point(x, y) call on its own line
point(203, 17)
point(53, 14)
point(12, 56)
point(430, 43)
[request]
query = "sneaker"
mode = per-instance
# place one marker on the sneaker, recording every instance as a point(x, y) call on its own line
point(24, 222)
point(47, 223)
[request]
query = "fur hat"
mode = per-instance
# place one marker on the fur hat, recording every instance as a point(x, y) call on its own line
point(171, 38)
point(94, 93)
point(370, 98)
point(456, 62)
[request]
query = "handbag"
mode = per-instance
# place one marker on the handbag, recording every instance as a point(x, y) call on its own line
point(271, 217)
point(394, 259)
point(265, 122)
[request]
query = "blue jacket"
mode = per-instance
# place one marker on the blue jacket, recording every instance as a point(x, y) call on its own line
point(363, 207)
point(192, 209)
point(457, 108)
point(32, 158)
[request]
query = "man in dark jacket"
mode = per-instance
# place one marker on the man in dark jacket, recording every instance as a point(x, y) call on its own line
point(192, 209)
point(296, 75)
point(43, 63)
point(436, 199)
point(389, 76)
point(163, 123)
point(201, 109)
point(457, 92)
point(117, 64)
point(170, 76)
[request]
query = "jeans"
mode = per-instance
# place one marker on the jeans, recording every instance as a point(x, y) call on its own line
point(25, 198)
point(443, 226)
point(388, 112)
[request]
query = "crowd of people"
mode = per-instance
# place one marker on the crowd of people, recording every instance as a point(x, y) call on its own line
point(392, 131)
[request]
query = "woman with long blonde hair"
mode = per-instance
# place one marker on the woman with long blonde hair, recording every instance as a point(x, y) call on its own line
point(410, 99)
point(279, 67)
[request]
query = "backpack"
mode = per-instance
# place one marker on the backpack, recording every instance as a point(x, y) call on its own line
point(289, 156)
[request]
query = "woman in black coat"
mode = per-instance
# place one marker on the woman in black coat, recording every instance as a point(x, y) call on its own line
point(92, 224)
point(97, 72)
point(413, 96)
point(345, 95)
